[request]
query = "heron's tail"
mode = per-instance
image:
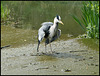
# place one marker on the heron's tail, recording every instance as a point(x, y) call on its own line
point(38, 46)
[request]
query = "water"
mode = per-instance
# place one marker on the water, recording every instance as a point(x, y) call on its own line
point(30, 14)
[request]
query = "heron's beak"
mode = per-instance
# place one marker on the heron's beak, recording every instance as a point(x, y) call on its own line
point(61, 22)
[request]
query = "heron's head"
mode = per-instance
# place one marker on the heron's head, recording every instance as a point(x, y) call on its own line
point(57, 19)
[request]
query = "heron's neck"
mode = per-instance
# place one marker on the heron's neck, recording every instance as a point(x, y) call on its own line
point(55, 24)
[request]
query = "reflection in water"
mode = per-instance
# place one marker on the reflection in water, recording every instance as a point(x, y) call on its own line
point(46, 57)
point(55, 56)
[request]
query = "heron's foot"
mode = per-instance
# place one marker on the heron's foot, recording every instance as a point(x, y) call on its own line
point(51, 52)
point(44, 52)
point(37, 54)
point(48, 52)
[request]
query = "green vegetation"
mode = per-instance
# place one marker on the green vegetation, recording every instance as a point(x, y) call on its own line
point(90, 19)
point(4, 13)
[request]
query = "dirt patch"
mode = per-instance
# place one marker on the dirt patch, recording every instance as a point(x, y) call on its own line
point(69, 58)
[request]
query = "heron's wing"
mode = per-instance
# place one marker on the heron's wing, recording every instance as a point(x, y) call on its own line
point(43, 32)
point(56, 36)
point(47, 24)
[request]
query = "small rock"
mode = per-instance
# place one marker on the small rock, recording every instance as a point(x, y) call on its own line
point(30, 63)
point(36, 68)
point(92, 64)
point(57, 53)
point(54, 66)
point(31, 54)
point(96, 64)
point(35, 64)
point(68, 70)
point(94, 72)
point(62, 70)
point(23, 54)
point(80, 59)
point(90, 57)
point(42, 68)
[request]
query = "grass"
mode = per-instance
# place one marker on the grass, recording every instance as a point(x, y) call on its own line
point(90, 19)
point(4, 13)
point(17, 37)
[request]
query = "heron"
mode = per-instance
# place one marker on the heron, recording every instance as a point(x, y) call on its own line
point(49, 31)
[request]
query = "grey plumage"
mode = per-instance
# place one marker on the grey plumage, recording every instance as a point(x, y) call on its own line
point(44, 30)
point(49, 31)
point(56, 36)
point(47, 24)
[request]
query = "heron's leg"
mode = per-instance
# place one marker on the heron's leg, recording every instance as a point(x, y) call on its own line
point(50, 47)
point(38, 46)
point(45, 47)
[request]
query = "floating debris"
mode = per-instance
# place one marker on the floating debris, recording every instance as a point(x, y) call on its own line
point(79, 51)
point(35, 63)
point(91, 57)
point(66, 70)
point(96, 64)
point(92, 64)
point(54, 66)
point(57, 53)
point(24, 55)
point(42, 68)
point(81, 59)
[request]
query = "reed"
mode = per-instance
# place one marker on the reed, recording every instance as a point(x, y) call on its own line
point(4, 13)
point(90, 19)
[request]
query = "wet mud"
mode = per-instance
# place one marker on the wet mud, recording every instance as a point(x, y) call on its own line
point(69, 58)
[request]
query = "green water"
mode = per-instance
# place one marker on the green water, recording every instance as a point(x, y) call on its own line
point(91, 43)
point(30, 14)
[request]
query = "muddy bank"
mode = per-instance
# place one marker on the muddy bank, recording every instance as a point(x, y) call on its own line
point(70, 58)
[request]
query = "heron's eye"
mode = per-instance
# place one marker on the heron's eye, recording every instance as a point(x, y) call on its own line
point(57, 17)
